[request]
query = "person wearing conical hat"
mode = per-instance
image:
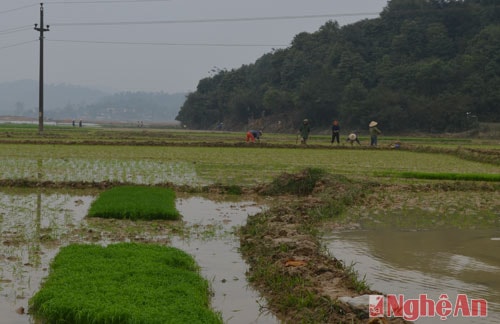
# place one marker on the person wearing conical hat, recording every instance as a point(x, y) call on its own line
point(353, 137)
point(304, 131)
point(374, 132)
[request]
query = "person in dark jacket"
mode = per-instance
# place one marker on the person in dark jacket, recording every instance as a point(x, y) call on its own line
point(336, 131)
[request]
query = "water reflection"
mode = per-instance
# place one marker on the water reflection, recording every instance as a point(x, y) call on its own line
point(430, 262)
point(31, 226)
point(216, 252)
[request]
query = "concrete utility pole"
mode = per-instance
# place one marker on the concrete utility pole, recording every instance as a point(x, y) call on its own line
point(41, 29)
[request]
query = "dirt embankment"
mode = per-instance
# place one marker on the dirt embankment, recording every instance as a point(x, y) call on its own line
point(301, 282)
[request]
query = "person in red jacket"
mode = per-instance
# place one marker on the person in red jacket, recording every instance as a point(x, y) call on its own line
point(253, 135)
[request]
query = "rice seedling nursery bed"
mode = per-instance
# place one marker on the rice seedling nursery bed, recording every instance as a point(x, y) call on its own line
point(135, 202)
point(123, 283)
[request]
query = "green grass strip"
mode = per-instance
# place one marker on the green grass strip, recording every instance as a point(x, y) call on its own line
point(135, 202)
point(123, 283)
point(442, 176)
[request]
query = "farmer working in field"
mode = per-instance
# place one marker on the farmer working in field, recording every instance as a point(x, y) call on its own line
point(353, 137)
point(252, 135)
point(304, 131)
point(336, 131)
point(374, 132)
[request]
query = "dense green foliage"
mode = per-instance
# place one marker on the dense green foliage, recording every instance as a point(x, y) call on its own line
point(424, 65)
point(135, 202)
point(123, 283)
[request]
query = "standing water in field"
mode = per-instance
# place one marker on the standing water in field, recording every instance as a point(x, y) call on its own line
point(34, 225)
point(215, 249)
point(437, 262)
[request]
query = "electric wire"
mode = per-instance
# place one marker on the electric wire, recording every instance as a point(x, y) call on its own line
point(190, 21)
point(18, 44)
point(166, 43)
point(18, 8)
point(15, 30)
point(104, 1)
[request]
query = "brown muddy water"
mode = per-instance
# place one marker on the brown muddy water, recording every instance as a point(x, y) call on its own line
point(34, 226)
point(426, 262)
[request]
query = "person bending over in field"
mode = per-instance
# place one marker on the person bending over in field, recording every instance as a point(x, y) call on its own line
point(353, 137)
point(253, 135)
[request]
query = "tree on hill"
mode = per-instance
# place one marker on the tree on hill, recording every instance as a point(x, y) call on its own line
point(423, 65)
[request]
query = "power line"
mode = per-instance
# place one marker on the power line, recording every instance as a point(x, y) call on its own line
point(166, 44)
point(18, 44)
point(14, 30)
point(190, 21)
point(104, 1)
point(19, 8)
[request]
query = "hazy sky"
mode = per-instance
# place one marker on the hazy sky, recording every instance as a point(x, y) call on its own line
point(156, 45)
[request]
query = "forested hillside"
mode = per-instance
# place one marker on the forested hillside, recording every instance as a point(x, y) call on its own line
point(423, 65)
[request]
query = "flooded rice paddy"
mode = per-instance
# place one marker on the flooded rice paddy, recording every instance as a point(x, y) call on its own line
point(430, 262)
point(34, 225)
point(125, 171)
point(198, 165)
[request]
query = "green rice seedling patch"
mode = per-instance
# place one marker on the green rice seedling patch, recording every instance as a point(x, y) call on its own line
point(123, 283)
point(443, 176)
point(135, 202)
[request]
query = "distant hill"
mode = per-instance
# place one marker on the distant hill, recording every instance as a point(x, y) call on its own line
point(21, 97)
point(64, 101)
point(129, 106)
